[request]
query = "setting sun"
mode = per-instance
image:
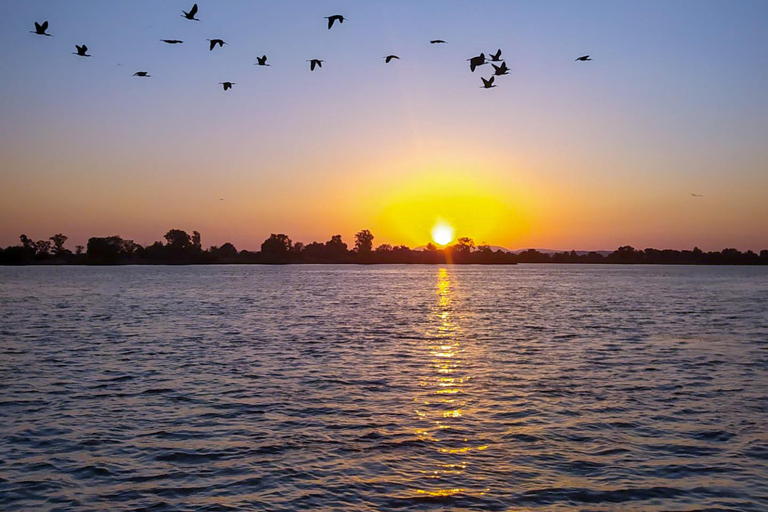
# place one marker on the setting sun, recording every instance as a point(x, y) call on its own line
point(442, 233)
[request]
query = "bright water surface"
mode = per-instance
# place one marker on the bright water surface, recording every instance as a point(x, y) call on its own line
point(527, 388)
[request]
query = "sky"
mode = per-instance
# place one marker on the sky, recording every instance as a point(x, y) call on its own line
point(561, 155)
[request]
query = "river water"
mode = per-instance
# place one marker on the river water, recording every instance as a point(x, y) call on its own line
point(520, 388)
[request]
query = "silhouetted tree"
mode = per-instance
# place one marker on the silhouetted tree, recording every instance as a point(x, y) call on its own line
point(58, 241)
point(178, 240)
point(276, 249)
point(364, 242)
point(335, 248)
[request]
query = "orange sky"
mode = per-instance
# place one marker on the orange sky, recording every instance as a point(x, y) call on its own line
point(561, 155)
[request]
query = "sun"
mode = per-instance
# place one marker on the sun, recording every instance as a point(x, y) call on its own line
point(442, 233)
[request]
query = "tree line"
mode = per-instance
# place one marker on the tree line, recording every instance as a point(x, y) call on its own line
point(181, 248)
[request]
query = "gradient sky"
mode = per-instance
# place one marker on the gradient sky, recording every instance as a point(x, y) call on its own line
point(560, 155)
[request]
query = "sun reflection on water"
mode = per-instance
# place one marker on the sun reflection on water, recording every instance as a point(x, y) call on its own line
point(445, 404)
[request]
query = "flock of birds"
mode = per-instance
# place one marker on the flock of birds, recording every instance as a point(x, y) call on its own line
point(499, 66)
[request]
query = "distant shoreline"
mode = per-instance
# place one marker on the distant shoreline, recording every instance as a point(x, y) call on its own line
point(181, 248)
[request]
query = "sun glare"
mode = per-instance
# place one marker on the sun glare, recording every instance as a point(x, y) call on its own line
point(442, 233)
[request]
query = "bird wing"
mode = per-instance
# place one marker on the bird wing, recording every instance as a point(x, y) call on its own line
point(331, 19)
point(320, 63)
point(193, 11)
point(485, 82)
point(85, 48)
point(38, 27)
point(213, 45)
point(490, 80)
point(312, 65)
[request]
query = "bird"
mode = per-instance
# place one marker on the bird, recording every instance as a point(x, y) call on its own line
point(487, 84)
point(335, 17)
point(437, 41)
point(40, 29)
point(215, 42)
point(227, 85)
point(476, 61)
point(696, 195)
point(262, 61)
point(143, 74)
point(81, 51)
point(500, 70)
point(315, 62)
point(583, 58)
point(389, 58)
point(172, 41)
point(191, 14)
point(496, 57)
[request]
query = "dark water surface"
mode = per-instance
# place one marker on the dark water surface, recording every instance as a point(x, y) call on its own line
point(557, 388)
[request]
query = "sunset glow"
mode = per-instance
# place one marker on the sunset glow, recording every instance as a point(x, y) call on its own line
point(442, 233)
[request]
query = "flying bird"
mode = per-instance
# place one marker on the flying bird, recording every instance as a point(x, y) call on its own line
point(500, 70)
point(437, 41)
point(496, 57)
point(172, 41)
point(227, 85)
point(215, 42)
point(40, 29)
point(474, 62)
point(315, 62)
point(487, 84)
point(389, 58)
point(191, 14)
point(335, 17)
point(262, 61)
point(143, 74)
point(81, 51)
point(696, 195)
point(583, 58)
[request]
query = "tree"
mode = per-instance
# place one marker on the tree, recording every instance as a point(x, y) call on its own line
point(43, 248)
point(58, 243)
point(364, 242)
point(197, 240)
point(335, 248)
point(79, 249)
point(27, 242)
point(276, 248)
point(384, 248)
point(106, 250)
point(431, 247)
point(178, 240)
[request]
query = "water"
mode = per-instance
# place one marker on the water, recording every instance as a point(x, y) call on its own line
point(528, 388)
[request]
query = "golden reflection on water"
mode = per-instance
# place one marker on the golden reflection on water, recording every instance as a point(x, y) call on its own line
point(445, 403)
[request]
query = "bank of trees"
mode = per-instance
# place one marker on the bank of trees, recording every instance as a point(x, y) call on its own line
point(182, 248)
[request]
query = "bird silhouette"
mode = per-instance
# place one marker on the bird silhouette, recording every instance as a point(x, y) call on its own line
point(315, 62)
point(40, 29)
point(215, 42)
point(191, 14)
point(474, 62)
point(143, 74)
point(262, 61)
point(496, 57)
point(583, 58)
point(227, 85)
point(437, 41)
point(389, 58)
point(487, 84)
point(81, 51)
point(172, 41)
point(696, 195)
point(334, 18)
point(500, 70)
